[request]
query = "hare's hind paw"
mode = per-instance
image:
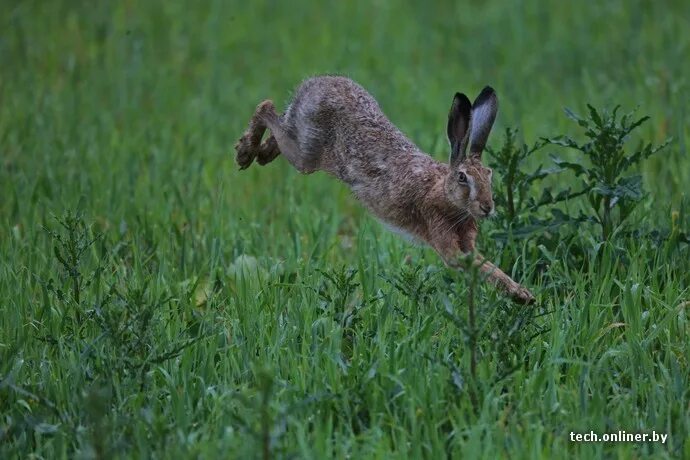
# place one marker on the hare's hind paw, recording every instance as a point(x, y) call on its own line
point(268, 151)
point(249, 146)
point(245, 152)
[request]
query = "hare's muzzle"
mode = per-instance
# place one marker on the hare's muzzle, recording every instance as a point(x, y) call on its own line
point(487, 209)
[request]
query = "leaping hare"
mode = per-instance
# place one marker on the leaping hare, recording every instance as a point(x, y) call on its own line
point(335, 125)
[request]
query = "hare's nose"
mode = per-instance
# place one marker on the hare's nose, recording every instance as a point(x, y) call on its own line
point(486, 208)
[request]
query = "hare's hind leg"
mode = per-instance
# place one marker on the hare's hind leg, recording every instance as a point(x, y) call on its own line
point(249, 146)
point(285, 143)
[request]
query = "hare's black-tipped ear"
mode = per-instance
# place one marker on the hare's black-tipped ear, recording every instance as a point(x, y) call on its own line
point(484, 111)
point(458, 126)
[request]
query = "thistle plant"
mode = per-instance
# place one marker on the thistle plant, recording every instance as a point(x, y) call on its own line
point(611, 192)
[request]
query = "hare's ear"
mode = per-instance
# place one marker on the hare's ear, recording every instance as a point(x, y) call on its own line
point(484, 111)
point(458, 127)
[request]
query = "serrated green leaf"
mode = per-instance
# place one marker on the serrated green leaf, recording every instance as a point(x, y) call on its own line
point(573, 116)
point(594, 115)
point(578, 169)
point(563, 141)
point(629, 188)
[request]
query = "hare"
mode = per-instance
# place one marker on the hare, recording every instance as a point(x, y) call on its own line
point(335, 125)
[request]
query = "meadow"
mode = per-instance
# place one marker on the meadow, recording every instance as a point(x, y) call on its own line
point(156, 302)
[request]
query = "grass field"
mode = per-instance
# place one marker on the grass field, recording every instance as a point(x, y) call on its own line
point(159, 303)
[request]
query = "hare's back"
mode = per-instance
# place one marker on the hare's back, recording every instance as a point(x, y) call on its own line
point(333, 95)
point(329, 113)
point(335, 116)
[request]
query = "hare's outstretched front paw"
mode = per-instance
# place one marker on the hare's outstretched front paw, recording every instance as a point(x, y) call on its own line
point(522, 295)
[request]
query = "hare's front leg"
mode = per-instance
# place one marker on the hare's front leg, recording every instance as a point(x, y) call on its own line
point(450, 250)
point(500, 279)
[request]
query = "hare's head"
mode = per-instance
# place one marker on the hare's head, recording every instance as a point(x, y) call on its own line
point(468, 184)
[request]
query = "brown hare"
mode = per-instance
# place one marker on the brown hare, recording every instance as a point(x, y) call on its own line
point(335, 125)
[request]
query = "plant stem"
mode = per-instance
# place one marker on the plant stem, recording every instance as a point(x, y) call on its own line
point(473, 342)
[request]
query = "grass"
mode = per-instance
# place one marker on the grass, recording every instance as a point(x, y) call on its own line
point(203, 312)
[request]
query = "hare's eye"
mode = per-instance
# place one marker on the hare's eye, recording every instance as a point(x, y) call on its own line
point(462, 177)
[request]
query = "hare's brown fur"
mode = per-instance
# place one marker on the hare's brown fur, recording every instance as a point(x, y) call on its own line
point(334, 125)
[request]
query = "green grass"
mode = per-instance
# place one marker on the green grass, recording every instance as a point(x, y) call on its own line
point(243, 314)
